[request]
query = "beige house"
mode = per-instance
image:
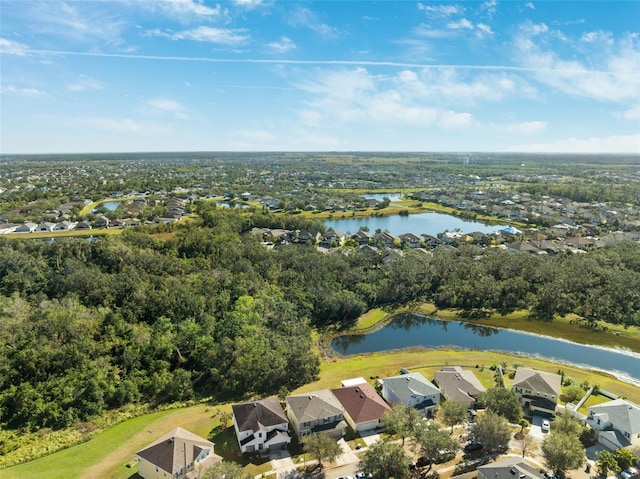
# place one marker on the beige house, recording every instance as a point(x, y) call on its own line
point(363, 406)
point(537, 391)
point(318, 411)
point(178, 454)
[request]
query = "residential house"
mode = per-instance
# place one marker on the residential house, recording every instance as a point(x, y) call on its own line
point(101, 222)
point(64, 226)
point(411, 240)
point(261, 425)
point(363, 407)
point(384, 238)
point(318, 411)
point(617, 423)
point(45, 226)
point(178, 454)
point(26, 227)
point(509, 468)
point(332, 238)
point(459, 385)
point(83, 225)
point(431, 242)
point(361, 237)
point(411, 390)
point(580, 243)
point(537, 391)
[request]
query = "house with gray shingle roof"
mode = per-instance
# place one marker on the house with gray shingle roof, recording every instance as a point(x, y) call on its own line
point(412, 390)
point(617, 423)
point(510, 468)
point(178, 454)
point(459, 385)
point(537, 391)
point(261, 425)
point(318, 411)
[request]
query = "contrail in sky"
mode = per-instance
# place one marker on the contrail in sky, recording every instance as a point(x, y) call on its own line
point(320, 62)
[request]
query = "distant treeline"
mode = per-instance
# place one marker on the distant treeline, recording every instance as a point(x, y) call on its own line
point(209, 311)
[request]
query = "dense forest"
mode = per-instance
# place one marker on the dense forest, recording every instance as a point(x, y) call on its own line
point(204, 309)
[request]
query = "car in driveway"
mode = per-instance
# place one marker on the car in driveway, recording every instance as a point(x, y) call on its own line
point(545, 425)
point(473, 447)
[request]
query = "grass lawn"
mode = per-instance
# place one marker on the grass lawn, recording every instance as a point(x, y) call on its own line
point(593, 400)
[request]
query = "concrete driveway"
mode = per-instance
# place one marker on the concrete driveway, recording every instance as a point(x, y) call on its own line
point(536, 428)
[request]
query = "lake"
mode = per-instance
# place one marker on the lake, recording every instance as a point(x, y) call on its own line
point(411, 330)
point(424, 223)
point(111, 205)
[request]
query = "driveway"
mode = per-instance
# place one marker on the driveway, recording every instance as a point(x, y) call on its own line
point(370, 437)
point(536, 428)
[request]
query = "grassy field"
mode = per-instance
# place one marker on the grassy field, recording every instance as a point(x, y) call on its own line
point(108, 454)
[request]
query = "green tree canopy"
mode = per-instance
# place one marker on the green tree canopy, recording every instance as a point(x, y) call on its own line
point(321, 447)
point(606, 463)
point(492, 431)
point(452, 413)
point(226, 470)
point(502, 402)
point(385, 460)
point(562, 452)
point(431, 440)
point(401, 421)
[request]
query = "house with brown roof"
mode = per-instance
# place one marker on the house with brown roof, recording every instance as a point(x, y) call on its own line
point(537, 391)
point(178, 454)
point(459, 385)
point(318, 411)
point(261, 425)
point(363, 406)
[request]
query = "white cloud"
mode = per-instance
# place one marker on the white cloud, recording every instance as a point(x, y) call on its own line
point(169, 106)
point(126, 125)
point(13, 90)
point(79, 21)
point(489, 8)
point(304, 17)
point(189, 7)
point(599, 36)
point(631, 114)
point(85, 83)
point(527, 127)
point(357, 97)
point(9, 47)
point(284, 45)
point(222, 36)
point(463, 23)
point(530, 5)
point(610, 144)
point(441, 10)
point(249, 4)
point(596, 71)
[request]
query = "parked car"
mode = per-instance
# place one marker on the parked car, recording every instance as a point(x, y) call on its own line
point(631, 473)
point(423, 461)
point(545, 425)
point(473, 446)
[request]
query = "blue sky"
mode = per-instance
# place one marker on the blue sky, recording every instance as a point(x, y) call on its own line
point(247, 75)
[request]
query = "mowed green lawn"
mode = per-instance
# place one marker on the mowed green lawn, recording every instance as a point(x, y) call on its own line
point(106, 455)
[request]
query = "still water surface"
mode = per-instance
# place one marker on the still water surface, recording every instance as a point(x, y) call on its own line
point(410, 330)
point(423, 223)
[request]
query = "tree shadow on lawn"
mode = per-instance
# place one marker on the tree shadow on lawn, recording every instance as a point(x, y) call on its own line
point(226, 445)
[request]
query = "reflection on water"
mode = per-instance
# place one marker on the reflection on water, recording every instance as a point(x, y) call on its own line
point(413, 330)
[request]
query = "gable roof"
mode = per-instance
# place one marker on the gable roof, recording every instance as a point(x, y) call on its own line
point(539, 381)
point(361, 402)
point(621, 413)
point(410, 385)
point(310, 407)
point(458, 384)
point(510, 468)
point(255, 415)
point(173, 450)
